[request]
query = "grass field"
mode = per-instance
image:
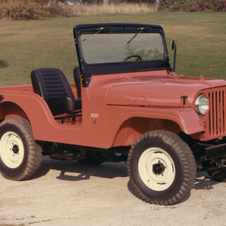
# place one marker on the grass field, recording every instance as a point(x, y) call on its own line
point(25, 45)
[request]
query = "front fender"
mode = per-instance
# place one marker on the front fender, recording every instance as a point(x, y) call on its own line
point(128, 130)
point(186, 118)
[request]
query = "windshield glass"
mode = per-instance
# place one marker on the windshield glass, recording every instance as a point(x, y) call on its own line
point(100, 48)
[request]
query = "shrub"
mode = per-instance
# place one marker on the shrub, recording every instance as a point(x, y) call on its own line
point(22, 9)
point(194, 5)
point(123, 8)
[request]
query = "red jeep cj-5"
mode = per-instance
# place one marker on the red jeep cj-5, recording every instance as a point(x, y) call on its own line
point(126, 103)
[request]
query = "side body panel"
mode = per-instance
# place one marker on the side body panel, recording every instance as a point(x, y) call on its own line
point(102, 124)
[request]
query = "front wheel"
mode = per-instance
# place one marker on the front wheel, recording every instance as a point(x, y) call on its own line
point(161, 167)
point(20, 156)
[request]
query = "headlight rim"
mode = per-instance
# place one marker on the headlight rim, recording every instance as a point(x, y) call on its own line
point(198, 105)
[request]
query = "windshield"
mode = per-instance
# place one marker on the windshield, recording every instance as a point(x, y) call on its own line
point(120, 47)
point(102, 48)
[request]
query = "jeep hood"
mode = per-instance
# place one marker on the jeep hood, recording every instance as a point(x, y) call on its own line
point(159, 92)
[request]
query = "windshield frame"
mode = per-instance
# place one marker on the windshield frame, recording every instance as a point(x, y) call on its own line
point(119, 67)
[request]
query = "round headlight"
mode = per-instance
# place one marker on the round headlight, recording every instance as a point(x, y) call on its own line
point(201, 105)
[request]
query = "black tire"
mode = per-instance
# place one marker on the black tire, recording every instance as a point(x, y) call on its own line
point(20, 155)
point(161, 167)
point(93, 158)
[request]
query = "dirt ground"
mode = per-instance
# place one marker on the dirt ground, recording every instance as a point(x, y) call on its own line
point(68, 193)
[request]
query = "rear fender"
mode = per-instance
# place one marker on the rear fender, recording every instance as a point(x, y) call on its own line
point(29, 106)
point(9, 110)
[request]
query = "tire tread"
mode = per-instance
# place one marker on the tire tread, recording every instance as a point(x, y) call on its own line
point(186, 157)
point(34, 150)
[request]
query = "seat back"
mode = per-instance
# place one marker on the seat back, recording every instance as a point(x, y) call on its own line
point(77, 78)
point(51, 84)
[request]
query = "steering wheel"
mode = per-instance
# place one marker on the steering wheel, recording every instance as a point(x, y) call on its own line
point(138, 58)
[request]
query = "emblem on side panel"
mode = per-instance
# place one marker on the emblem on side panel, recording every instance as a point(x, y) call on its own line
point(94, 115)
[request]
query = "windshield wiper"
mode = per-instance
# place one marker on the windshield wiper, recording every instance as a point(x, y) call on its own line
point(98, 31)
point(141, 29)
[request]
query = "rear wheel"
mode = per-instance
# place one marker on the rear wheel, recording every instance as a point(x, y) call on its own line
point(161, 167)
point(20, 156)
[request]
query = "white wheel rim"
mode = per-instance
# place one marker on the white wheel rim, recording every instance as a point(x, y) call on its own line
point(11, 150)
point(156, 169)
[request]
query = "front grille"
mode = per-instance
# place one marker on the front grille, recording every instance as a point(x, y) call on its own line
point(217, 104)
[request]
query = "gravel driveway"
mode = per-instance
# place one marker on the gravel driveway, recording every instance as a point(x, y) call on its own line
point(68, 193)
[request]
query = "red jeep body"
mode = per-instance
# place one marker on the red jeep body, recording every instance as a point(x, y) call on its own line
point(124, 106)
point(130, 104)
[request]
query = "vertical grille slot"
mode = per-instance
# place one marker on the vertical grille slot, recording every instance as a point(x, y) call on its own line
point(217, 104)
